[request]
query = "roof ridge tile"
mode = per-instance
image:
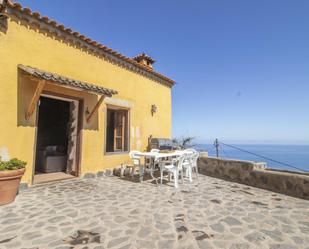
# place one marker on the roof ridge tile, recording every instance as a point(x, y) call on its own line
point(88, 40)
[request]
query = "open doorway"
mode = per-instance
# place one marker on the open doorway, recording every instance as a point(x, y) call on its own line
point(56, 140)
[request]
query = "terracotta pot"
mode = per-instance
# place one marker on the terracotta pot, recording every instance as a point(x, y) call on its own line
point(9, 183)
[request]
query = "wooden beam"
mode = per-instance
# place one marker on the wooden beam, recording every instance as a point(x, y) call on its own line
point(30, 77)
point(95, 108)
point(35, 99)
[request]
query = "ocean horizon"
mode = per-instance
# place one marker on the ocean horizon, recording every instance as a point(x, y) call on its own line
point(294, 155)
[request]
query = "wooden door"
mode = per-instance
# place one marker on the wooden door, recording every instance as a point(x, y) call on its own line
point(73, 139)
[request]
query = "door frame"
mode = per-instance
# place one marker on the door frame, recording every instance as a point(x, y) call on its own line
point(80, 124)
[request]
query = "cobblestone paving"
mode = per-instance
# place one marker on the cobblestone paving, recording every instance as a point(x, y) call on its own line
point(110, 212)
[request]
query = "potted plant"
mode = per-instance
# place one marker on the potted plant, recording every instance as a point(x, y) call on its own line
point(10, 175)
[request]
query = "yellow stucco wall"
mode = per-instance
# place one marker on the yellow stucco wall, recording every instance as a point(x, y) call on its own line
point(24, 45)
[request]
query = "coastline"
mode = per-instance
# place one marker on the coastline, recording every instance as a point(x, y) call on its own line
point(296, 155)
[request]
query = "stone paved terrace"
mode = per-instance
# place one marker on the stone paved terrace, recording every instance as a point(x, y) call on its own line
point(110, 212)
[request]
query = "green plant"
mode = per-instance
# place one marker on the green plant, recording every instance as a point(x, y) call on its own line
point(13, 164)
point(184, 142)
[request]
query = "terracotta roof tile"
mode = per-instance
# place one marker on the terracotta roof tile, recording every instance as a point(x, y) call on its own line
point(66, 81)
point(46, 19)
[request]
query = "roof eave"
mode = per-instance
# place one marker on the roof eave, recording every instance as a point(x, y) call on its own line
point(65, 81)
point(79, 39)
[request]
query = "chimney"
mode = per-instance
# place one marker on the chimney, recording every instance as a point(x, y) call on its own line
point(144, 60)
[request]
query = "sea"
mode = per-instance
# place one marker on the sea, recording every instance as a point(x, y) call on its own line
point(293, 155)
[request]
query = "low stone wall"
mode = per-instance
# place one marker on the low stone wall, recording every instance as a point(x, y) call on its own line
point(256, 175)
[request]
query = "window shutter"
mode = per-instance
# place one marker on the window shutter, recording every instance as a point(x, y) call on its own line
point(119, 130)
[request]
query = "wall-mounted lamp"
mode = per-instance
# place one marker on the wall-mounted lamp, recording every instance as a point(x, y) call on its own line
point(153, 109)
point(87, 112)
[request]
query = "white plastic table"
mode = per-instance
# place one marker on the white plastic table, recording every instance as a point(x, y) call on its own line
point(158, 155)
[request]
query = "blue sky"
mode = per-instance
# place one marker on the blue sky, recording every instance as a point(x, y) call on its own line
point(242, 67)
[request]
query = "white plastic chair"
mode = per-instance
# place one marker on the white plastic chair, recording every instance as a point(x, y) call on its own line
point(136, 160)
point(190, 163)
point(191, 150)
point(194, 163)
point(187, 165)
point(155, 150)
point(151, 164)
point(174, 167)
point(150, 161)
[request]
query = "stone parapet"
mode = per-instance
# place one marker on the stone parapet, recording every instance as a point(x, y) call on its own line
point(257, 175)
